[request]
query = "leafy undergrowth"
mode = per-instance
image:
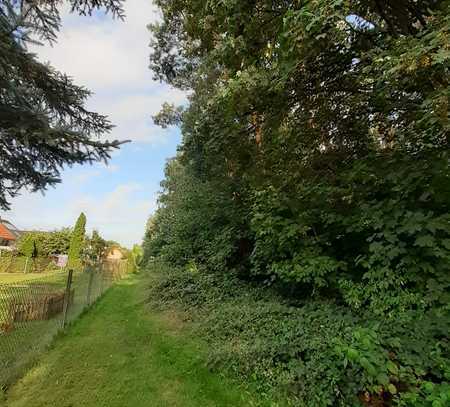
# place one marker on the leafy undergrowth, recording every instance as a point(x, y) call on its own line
point(122, 354)
point(315, 353)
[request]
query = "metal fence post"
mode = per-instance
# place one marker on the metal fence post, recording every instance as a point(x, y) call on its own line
point(102, 279)
point(67, 297)
point(89, 290)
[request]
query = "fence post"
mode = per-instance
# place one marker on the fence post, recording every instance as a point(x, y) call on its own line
point(102, 279)
point(89, 290)
point(67, 297)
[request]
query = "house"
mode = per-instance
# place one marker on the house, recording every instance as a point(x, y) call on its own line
point(115, 253)
point(9, 235)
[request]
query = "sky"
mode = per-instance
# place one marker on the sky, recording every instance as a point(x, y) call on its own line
point(111, 58)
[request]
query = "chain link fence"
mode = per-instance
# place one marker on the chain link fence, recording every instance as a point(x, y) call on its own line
point(32, 311)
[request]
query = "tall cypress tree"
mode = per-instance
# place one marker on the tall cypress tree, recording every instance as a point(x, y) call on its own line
point(76, 243)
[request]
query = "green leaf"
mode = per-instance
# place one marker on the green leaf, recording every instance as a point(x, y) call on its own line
point(392, 389)
point(446, 243)
point(352, 354)
point(392, 367)
point(383, 379)
point(425, 241)
point(428, 387)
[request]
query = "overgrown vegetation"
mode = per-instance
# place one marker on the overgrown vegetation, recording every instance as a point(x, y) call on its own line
point(313, 351)
point(315, 167)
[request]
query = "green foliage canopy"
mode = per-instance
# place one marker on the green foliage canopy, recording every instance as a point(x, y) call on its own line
point(315, 145)
point(47, 243)
point(94, 248)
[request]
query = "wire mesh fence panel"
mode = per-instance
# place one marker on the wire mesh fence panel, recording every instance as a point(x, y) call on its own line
point(77, 295)
point(31, 311)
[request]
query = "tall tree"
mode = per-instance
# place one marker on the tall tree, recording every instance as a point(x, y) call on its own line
point(44, 124)
point(319, 123)
point(77, 243)
point(95, 248)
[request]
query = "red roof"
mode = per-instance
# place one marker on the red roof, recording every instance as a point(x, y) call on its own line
point(5, 233)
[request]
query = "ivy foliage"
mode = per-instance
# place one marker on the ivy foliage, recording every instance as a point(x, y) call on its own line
point(315, 160)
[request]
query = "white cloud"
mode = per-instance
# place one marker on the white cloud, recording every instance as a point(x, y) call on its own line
point(84, 176)
point(132, 113)
point(111, 167)
point(87, 174)
point(111, 58)
point(103, 52)
point(117, 213)
point(128, 107)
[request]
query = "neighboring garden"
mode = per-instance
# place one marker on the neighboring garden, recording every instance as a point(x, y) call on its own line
point(39, 297)
point(38, 252)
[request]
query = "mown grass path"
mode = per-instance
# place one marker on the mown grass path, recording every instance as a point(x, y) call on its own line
point(122, 354)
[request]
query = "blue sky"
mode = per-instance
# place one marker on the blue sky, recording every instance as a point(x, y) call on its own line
point(110, 58)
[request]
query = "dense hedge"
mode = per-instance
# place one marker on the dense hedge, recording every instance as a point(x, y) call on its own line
point(46, 243)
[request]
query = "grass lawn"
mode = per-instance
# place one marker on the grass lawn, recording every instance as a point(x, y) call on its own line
point(121, 353)
point(21, 343)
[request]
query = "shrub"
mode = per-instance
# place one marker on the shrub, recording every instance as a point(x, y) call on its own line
point(378, 236)
point(315, 353)
point(47, 243)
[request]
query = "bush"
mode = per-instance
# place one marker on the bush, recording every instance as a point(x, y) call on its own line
point(47, 243)
point(378, 236)
point(314, 353)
